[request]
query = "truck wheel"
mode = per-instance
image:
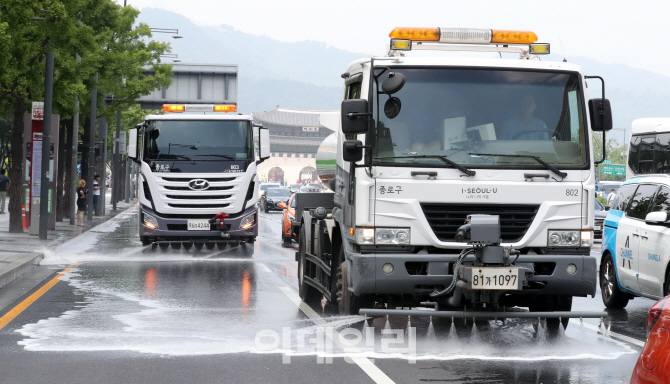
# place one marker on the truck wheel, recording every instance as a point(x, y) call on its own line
point(308, 294)
point(145, 240)
point(613, 298)
point(347, 302)
point(561, 303)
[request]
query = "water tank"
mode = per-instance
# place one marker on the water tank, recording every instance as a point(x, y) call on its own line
point(326, 161)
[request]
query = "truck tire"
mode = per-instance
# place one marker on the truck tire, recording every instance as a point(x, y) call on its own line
point(145, 240)
point(308, 294)
point(613, 297)
point(347, 302)
point(551, 303)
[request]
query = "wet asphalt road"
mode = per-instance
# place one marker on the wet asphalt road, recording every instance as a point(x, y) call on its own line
point(125, 314)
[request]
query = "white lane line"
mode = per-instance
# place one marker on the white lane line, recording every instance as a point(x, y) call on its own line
point(610, 333)
point(376, 374)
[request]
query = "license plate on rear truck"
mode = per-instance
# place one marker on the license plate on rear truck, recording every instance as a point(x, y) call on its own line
point(502, 278)
point(198, 225)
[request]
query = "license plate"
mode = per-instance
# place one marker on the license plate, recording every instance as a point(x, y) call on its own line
point(198, 225)
point(597, 227)
point(494, 278)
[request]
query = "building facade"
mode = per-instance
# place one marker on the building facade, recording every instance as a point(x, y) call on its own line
point(295, 137)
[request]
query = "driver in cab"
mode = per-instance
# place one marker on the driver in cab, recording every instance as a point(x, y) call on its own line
point(524, 126)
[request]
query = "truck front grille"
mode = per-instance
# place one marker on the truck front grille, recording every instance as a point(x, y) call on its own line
point(173, 188)
point(445, 219)
point(222, 191)
point(198, 197)
point(179, 205)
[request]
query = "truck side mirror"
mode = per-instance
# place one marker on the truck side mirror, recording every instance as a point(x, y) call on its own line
point(264, 144)
point(355, 116)
point(352, 150)
point(132, 144)
point(600, 114)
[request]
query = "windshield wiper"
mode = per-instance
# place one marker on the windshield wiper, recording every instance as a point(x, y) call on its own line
point(444, 159)
point(536, 158)
point(177, 156)
point(223, 156)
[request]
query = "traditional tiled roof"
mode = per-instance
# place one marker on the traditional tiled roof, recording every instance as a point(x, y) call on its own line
point(291, 117)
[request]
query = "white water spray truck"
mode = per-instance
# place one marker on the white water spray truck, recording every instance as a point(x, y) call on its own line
point(461, 183)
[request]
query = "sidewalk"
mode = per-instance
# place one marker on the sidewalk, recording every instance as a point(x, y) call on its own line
point(19, 252)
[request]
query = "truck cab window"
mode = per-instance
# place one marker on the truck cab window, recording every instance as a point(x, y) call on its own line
point(455, 112)
point(199, 140)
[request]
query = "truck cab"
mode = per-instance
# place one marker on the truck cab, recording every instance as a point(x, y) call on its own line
point(198, 177)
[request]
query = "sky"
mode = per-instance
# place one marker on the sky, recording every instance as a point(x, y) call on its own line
point(614, 31)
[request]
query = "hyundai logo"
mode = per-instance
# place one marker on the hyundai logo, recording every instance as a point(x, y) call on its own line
point(198, 184)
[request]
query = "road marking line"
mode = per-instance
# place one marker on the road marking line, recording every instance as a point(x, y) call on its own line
point(612, 334)
point(376, 374)
point(22, 306)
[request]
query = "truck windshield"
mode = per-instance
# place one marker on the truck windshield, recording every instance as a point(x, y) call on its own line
point(459, 113)
point(205, 140)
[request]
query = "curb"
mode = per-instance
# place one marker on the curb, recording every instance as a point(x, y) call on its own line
point(19, 267)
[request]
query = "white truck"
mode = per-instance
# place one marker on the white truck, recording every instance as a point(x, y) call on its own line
point(465, 184)
point(198, 176)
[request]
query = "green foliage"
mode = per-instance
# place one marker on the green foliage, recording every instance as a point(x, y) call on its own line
point(100, 32)
point(602, 200)
point(615, 152)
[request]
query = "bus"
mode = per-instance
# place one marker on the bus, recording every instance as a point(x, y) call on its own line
point(649, 148)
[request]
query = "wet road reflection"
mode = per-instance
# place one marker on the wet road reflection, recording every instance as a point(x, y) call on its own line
point(243, 299)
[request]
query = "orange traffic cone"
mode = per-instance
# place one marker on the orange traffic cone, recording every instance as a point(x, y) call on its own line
point(23, 217)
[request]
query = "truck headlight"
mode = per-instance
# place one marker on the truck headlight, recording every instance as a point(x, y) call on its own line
point(365, 235)
point(150, 221)
point(392, 236)
point(564, 239)
point(382, 236)
point(248, 221)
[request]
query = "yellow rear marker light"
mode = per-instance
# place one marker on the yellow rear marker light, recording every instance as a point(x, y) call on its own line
point(416, 34)
point(225, 108)
point(173, 107)
point(513, 37)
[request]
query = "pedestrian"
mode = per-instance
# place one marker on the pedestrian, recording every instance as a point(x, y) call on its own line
point(96, 193)
point(81, 201)
point(610, 197)
point(5, 182)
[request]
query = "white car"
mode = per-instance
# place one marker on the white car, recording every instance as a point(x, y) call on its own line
point(265, 186)
point(636, 242)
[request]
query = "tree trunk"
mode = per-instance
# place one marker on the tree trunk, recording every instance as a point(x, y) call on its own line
point(60, 200)
point(67, 170)
point(16, 190)
point(84, 148)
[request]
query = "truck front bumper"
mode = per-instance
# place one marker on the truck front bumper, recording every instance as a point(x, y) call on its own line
point(176, 228)
point(417, 274)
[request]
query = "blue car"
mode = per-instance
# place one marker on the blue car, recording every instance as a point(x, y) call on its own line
point(636, 242)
